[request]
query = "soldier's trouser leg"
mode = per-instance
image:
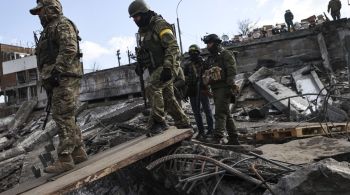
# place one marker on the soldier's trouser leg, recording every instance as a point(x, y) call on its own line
point(223, 119)
point(231, 127)
point(197, 115)
point(63, 113)
point(155, 94)
point(222, 97)
point(173, 107)
point(208, 113)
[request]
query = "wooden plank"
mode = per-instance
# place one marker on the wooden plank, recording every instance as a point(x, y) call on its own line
point(40, 181)
point(108, 162)
point(112, 163)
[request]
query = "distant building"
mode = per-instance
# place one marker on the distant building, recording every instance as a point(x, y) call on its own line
point(10, 53)
point(23, 85)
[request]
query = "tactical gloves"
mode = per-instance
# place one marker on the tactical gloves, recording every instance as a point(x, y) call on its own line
point(235, 88)
point(166, 75)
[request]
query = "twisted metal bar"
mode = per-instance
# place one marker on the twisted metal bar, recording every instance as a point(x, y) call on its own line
point(207, 159)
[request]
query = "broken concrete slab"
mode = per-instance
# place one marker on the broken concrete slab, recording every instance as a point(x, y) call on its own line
point(306, 150)
point(39, 136)
point(22, 114)
point(4, 122)
point(325, 177)
point(308, 82)
point(262, 73)
point(297, 108)
point(240, 80)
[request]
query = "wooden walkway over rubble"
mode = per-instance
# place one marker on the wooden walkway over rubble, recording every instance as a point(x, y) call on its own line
point(102, 164)
point(301, 131)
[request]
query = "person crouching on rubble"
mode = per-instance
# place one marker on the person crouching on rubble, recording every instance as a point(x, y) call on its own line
point(58, 59)
point(159, 53)
point(220, 76)
point(197, 92)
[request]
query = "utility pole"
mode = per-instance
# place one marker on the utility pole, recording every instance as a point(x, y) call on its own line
point(118, 55)
point(178, 26)
point(129, 55)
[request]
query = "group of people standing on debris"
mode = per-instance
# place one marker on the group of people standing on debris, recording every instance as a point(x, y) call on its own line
point(160, 55)
point(58, 58)
point(334, 7)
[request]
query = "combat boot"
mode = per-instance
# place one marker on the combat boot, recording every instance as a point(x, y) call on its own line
point(156, 128)
point(164, 126)
point(79, 155)
point(64, 163)
point(233, 141)
point(201, 136)
point(217, 139)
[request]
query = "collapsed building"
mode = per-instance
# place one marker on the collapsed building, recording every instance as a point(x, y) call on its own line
point(293, 92)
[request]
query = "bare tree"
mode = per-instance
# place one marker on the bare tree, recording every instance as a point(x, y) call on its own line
point(245, 26)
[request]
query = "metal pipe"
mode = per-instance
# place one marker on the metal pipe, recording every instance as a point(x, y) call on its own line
point(270, 161)
point(178, 26)
point(229, 169)
point(262, 179)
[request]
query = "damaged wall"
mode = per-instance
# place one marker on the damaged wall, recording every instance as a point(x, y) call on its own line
point(109, 83)
point(297, 47)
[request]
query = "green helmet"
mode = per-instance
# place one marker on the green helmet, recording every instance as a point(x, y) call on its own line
point(194, 48)
point(54, 6)
point(138, 6)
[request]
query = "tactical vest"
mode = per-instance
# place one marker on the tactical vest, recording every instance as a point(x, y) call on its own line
point(151, 45)
point(47, 48)
point(219, 61)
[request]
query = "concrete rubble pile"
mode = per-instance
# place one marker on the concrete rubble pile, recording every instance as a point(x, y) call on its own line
point(263, 99)
point(291, 112)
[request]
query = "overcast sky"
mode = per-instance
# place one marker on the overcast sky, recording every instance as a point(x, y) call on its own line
point(105, 25)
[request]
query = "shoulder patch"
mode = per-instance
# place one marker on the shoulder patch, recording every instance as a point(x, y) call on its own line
point(165, 31)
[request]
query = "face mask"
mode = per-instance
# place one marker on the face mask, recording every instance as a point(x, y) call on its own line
point(44, 20)
point(145, 20)
point(194, 56)
point(214, 49)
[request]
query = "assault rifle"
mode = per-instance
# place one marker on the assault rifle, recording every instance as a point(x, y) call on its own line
point(139, 71)
point(48, 108)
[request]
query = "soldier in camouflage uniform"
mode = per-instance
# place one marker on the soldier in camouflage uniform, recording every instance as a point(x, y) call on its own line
point(334, 7)
point(222, 71)
point(58, 61)
point(159, 53)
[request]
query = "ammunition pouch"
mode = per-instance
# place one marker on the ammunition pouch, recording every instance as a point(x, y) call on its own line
point(144, 58)
point(55, 78)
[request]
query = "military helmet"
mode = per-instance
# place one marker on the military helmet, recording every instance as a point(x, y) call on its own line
point(55, 4)
point(194, 48)
point(212, 38)
point(138, 6)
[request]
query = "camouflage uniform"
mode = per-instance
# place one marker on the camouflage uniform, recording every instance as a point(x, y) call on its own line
point(179, 87)
point(222, 91)
point(58, 61)
point(334, 7)
point(162, 93)
point(160, 51)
